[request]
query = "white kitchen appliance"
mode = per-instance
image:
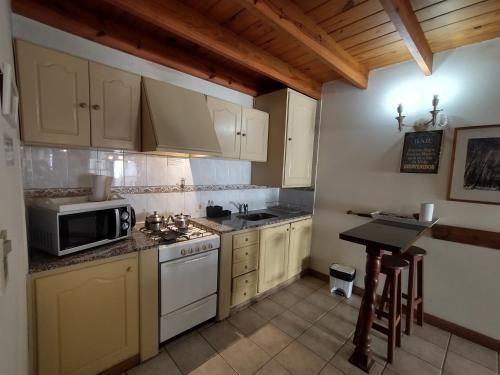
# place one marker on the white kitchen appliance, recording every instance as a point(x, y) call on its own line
point(189, 263)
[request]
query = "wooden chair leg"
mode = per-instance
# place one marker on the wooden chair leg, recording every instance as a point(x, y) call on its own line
point(398, 310)
point(420, 291)
point(410, 298)
point(392, 319)
point(383, 299)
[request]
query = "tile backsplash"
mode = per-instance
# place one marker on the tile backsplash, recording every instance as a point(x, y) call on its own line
point(57, 168)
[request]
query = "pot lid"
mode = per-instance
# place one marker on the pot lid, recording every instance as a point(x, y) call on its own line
point(181, 216)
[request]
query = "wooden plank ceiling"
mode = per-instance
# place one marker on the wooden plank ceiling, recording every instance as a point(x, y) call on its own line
point(257, 46)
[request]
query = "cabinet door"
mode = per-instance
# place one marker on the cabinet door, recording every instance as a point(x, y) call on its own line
point(54, 90)
point(273, 265)
point(114, 107)
point(301, 117)
point(227, 122)
point(254, 131)
point(300, 247)
point(88, 319)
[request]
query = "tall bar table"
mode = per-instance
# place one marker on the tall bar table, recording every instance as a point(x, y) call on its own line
point(377, 235)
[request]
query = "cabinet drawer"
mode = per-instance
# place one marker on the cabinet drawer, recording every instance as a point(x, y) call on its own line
point(246, 266)
point(244, 253)
point(245, 239)
point(241, 295)
point(244, 281)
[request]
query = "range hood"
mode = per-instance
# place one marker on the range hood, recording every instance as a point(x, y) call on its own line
point(176, 121)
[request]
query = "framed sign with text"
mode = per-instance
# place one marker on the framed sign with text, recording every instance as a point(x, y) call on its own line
point(421, 152)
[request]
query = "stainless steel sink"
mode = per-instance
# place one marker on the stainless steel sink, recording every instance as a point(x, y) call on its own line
point(257, 216)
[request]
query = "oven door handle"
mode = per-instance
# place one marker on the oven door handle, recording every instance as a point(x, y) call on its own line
point(118, 222)
point(196, 259)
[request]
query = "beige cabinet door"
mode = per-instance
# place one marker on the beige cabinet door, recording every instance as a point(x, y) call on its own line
point(273, 264)
point(227, 122)
point(88, 319)
point(300, 246)
point(254, 131)
point(301, 117)
point(54, 90)
point(114, 107)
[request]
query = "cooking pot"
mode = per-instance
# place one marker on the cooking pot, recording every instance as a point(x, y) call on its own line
point(155, 222)
point(181, 221)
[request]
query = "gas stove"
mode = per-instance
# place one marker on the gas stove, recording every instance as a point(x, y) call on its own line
point(171, 234)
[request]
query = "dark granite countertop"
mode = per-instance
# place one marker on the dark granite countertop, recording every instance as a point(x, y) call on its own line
point(234, 223)
point(41, 261)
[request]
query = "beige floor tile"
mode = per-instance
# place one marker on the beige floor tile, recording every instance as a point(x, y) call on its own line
point(312, 282)
point(337, 326)
point(457, 364)
point(291, 324)
point(214, 366)
point(221, 335)
point(273, 340)
point(190, 353)
point(267, 308)
point(389, 372)
point(477, 353)
point(308, 311)
point(330, 370)
point(284, 298)
point(354, 301)
point(247, 321)
point(245, 357)
point(432, 334)
point(408, 364)
point(273, 368)
point(322, 300)
point(341, 362)
point(299, 360)
point(346, 312)
point(161, 364)
point(320, 342)
point(423, 349)
point(300, 290)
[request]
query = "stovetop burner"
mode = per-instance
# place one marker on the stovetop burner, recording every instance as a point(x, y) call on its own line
point(172, 234)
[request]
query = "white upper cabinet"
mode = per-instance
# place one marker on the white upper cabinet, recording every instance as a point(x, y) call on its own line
point(242, 132)
point(292, 120)
point(227, 122)
point(114, 107)
point(299, 140)
point(54, 90)
point(254, 131)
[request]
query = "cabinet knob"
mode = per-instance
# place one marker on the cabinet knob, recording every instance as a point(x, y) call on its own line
point(244, 294)
point(246, 267)
point(96, 107)
point(129, 269)
point(243, 135)
point(246, 253)
point(290, 138)
point(246, 281)
point(287, 229)
point(83, 105)
point(246, 239)
point(238, 133)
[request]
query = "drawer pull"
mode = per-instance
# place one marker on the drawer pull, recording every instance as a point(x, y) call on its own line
point(246, 239)
point(245, 293)
point(129, 269)
point(246, 267)
point(246, 253)
point(246, 281)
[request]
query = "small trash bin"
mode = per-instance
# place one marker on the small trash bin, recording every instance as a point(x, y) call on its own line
point(341, 279)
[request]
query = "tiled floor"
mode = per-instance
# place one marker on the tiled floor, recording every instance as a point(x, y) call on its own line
point(302, 329)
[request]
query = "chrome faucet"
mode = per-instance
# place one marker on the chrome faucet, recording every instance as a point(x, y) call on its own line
point(242, 207)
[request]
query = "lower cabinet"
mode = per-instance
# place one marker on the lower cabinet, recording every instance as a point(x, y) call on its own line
point(300, 246)
point(273, 264)
point(87, 319)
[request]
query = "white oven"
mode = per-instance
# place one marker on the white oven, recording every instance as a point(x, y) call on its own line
point(188, 284)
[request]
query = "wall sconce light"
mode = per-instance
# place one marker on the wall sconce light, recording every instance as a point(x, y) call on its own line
point(422, 125)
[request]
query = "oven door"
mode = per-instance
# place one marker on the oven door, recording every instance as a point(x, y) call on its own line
point(187, 280)
point(82, 230)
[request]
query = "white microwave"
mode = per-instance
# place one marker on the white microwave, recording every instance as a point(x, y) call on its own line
point(63, 226)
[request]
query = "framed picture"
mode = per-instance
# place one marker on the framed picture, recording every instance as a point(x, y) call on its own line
point(421, 152)
point(475, 167)
point(9, 95)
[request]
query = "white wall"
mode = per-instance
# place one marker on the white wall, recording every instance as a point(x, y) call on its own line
point(36, 32)
point(13, 315)
point(359, 155)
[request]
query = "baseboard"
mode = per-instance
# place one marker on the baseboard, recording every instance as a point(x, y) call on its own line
point(122, 367)
point(435, 321)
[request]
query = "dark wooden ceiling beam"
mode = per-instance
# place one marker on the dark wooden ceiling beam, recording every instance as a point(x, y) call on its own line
point(402, 16)
point(187, 23)
point(90, 26)
point(289, 18)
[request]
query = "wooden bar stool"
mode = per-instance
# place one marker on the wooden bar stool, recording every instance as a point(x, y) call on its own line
point(414, 296)
point(391, 266)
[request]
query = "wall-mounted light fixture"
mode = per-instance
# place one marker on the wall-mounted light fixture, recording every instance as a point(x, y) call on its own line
point(422, 125)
